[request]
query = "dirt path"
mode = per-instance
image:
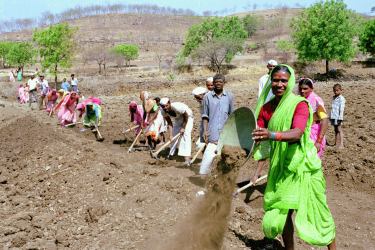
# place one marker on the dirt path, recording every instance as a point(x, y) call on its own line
point(61, 189)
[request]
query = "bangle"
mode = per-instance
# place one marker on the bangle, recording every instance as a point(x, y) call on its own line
point(272, 136)
point(279, 136)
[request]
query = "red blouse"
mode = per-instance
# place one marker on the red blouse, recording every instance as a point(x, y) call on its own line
point(300, 117)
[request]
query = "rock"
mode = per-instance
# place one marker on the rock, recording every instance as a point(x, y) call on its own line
point(3, 180)
point(138, 216)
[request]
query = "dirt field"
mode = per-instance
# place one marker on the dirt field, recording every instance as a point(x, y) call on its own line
point(59, 188)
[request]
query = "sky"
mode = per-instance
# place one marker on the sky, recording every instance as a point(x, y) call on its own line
point(14, 9)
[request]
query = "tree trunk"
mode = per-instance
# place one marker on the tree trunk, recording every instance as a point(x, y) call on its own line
point(327, 67)
point(100, 68)
point(104, 69)
point(55, 76)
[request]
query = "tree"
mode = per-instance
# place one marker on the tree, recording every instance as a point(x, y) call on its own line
point(218, 51)
point(325, 31)
point(56, 46)
point(286, 47)
point(127, 51)
point(250, 23)
point(4, 49)
point(214, 31)
point(367, 38)
point(20, 54)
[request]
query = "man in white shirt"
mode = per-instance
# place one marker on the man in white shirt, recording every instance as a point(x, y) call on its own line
point(44, 88)
point(263, 80)
point(74, 83)
point(183, 119)
point(32, 83)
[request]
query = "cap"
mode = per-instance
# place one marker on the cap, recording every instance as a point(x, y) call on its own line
point(164, 100)
point(272, 62)
point(199, 91)
point(210, 79)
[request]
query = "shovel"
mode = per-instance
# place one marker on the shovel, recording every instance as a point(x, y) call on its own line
point(155, 154)
point(248, 185)
point(135, 141)
point(196, 155)
point(72, 124)
point(130, 129)
point(99, 137)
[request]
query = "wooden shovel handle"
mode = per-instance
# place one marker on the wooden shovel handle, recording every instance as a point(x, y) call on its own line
point(166, 145)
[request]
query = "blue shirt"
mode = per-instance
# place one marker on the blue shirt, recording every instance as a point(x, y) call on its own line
point(65, 86)
point(217, 109)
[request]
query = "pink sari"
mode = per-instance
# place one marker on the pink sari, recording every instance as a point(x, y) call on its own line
point(137, 117)
point(22, 95)
point(67, 114)
point(315, 101)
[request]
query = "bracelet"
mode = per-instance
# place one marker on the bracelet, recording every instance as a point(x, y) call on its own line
point(272, 136)
point(279, 136)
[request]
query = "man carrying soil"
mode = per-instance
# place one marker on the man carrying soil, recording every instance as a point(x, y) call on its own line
point(217, 106)
point(183, 124)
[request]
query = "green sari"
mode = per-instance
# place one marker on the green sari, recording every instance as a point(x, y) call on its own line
point(295, 178)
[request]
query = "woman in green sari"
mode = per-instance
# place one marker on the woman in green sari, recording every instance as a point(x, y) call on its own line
point(295, 179)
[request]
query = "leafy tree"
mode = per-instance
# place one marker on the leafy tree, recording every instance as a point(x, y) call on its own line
point(20, 54)
point(56, 46)
point(286, 47)
point(4, 49)
point(367, 38)
point(325, 31)
point(214, 31)
point(250, 23)
point(128, 51)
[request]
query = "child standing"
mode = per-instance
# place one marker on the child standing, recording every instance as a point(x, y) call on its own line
point(337, 114)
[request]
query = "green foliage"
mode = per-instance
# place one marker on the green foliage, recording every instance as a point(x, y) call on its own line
point(284, 45)
point(20, 54)
point(216, 39)
point(367, 38)
point(211, 29)
point(4, 49)
point(56, 46)
point(127, 51)
point(250, 23)
point(325, 31)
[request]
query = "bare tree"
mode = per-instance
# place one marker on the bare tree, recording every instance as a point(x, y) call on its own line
point(217, 52)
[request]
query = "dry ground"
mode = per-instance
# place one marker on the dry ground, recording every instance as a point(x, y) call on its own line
point(59, 188)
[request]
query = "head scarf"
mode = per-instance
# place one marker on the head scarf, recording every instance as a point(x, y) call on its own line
point(132, 106)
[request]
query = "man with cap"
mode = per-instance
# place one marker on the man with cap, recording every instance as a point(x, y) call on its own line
point(182, 116)
point(198, 94)
point(210, 83)
point(217, 106)
point(32, 84)
point(44, 89)
point(263, 80)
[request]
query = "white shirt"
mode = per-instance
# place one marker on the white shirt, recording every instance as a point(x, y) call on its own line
point(44, 84)
point(179, 109)
point(261, 84)
point(74, 82)
point(32, 83)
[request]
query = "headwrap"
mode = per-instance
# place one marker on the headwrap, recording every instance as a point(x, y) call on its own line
point(164, 100)
point(144, 95)
point(210, 79)
point(132, 106)
point(80, 106)
point(199, 91)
